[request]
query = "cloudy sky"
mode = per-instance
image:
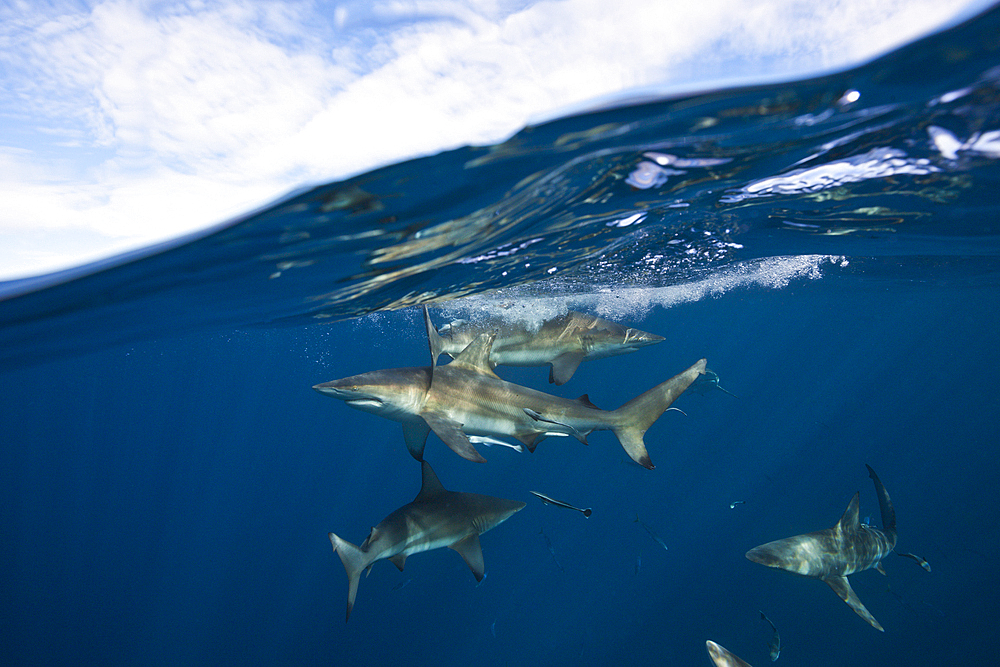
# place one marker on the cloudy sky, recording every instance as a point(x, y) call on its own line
point(126, 122)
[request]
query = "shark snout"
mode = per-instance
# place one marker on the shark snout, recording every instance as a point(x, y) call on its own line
point(764, 555)
point(636, 338)
point(334, 388)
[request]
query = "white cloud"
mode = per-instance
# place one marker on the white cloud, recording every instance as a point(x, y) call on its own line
point(135, 121)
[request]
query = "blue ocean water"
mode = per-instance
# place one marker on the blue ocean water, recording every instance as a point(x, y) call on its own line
point(168, 477)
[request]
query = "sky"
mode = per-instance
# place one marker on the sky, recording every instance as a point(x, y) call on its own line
point(124, 123)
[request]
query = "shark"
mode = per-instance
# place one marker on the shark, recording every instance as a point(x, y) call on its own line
point(562, 342)
point(436, 518)
point(832, 554)
point(721, 657)
point(466, 398)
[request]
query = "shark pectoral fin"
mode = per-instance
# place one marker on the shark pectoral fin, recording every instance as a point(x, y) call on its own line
point(562, 367)
point(354, 561)
point(415, 435)
point(842, 587)
point(450, 431)
point(470, 549)
point(881, 570)
point(398, 560)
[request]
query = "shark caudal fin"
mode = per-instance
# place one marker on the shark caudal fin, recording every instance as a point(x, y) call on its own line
point(355, 561)
point(885, 507)
point(632, 419)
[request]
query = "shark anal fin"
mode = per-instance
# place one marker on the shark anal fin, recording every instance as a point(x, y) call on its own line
point(415, 436)
point(470, 550)
point(842, 587)
point(450, 431)
point(563, 366)
point(398, 560)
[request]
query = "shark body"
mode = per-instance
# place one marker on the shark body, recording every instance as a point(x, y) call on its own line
point(465, 397)
point(562, 342)
point(833, 554)
point(436, 518)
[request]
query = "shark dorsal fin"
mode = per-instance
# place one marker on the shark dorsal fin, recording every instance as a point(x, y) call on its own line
point(476, 357)
point(849, 522)
point(433, 340)
point(431, 486)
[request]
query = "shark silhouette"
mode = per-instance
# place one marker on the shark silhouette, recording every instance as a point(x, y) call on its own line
point(833, 554)
point(436, 518)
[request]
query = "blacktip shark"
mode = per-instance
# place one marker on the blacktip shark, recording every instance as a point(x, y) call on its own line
point(466, 398)
point(562, 342)
point(721, 657)
point(436, 518)
point(833, 554)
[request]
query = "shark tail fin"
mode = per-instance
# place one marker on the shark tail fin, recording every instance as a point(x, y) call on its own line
point(630, 421)
point(885, 506)
point(355, 561)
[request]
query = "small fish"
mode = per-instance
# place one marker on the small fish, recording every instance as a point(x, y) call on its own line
point(548, 544)
point(560, 503)
point(774, 645)
point(920, 561)
point(706, 382)
point(401, 585)
point(493, 629)
point(638, 564)
point(733, 504)
point(651, 533)
point(489, 442)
